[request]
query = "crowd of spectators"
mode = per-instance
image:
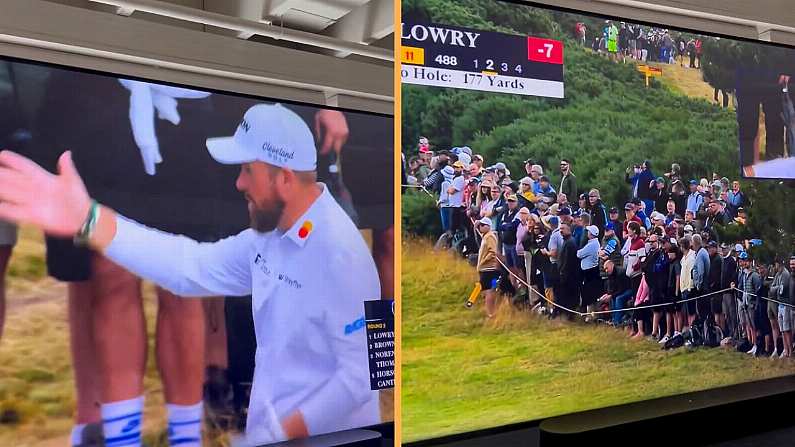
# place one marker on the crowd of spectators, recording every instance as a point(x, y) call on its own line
point(653, 265)
point(643, 43)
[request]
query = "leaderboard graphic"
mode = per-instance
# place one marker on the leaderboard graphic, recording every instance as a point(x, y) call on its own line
point(454, 57)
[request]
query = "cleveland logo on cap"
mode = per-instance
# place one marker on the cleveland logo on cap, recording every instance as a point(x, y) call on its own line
point(277, 153)
point(245, 125)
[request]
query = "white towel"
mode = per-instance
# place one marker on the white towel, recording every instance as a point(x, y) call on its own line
point(145, 98)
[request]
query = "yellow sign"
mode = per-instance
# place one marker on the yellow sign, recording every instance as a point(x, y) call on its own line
point(649, 72)
point(412, 55)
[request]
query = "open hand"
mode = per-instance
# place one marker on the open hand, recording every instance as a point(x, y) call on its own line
point(57, 204)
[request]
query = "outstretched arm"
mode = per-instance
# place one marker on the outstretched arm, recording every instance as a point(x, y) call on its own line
point(60, 205)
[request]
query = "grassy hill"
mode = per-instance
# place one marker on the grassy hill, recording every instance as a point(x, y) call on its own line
point(462, 373)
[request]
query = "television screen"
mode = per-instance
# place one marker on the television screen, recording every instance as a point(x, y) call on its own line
point(594, 213)
point(183, 265)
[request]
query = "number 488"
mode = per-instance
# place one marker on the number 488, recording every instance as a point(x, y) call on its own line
point(446, 60)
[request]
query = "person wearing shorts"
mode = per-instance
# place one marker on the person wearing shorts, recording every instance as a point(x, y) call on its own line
point(488, 264)
point(187, 193)
point(785, 325)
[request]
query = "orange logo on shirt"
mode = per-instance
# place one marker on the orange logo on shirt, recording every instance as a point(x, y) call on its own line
point(305, 229)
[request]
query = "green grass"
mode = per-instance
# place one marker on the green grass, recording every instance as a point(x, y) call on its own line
point(461, 373)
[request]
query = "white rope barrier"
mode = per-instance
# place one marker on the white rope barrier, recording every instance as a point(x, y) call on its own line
point(631, 308)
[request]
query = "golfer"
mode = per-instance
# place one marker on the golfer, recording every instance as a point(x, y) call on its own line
point(303, 261)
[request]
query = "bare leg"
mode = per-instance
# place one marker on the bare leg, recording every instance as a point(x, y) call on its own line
point(120, 330)
point(776, 332)
point(84, 359)
point(491, 303)
point(669, 324)
point(655, 325)
point(787, 343)
point(180, 347)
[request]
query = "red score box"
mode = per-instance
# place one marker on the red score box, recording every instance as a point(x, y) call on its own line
point(544, 50)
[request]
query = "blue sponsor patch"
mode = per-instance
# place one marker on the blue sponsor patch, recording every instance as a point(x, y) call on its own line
point(355, 326)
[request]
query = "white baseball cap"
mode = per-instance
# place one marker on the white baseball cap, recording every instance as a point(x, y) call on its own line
point(485, 221)
point(270, 133)
point(593, 229)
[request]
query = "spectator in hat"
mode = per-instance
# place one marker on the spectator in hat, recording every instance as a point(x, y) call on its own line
point(552, 250)
point(629, 213)
point(488, 264)
point(507, 225)
point(695, 199)
point(749, 283)
point(568, 181)
point(444, 198)
point(455, 192)
point(526, 196)
point(589, 265)
point(611, 245)
point(477, 160)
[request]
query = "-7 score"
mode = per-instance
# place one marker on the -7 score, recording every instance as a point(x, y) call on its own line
point(486, 65)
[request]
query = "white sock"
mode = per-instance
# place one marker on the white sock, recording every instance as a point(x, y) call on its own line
point(185, 425)
point(77, 434)
point(122, 422)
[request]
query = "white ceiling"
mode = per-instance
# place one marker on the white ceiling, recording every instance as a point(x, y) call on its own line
point(360, 21)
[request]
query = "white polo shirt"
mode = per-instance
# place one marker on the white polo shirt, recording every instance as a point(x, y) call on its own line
point(308, 286)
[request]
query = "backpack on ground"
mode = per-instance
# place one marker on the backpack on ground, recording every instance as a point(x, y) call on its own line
point(694, 335)
point(677, 341)
point(712, 334)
